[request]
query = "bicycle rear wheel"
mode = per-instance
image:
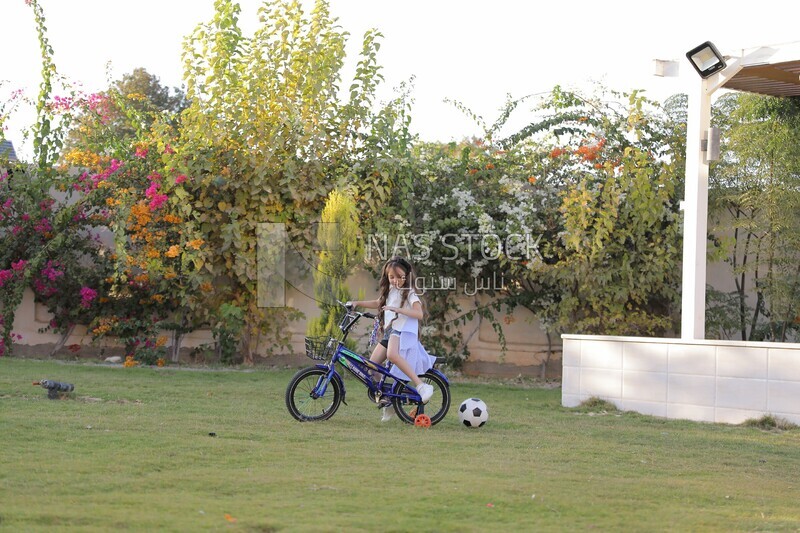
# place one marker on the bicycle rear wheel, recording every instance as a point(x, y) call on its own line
point(300, 400)
point(437, 406)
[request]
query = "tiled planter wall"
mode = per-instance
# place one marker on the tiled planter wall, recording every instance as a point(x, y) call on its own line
point(711, 381)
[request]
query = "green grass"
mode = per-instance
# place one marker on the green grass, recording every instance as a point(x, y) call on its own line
point(130, 449)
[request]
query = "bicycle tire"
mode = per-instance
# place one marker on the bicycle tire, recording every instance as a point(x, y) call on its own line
point(436, 408)
point(302, 406)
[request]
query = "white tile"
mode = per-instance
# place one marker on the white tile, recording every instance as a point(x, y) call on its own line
point(735, 416)
point(571, 354)
point(571, 380)
point(741, 362)
point(784, 364)
point(647, 386)
point(783, 396)
point(692, 359)
point(691, 390)
point(690, 412)
point(645, 408)
point(794, 418)
point(601, 354)
point(738, 393)
point(644, 356)
point(601, 382)
point(570, 400)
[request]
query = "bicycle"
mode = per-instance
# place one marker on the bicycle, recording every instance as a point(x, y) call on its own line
point(316, 392)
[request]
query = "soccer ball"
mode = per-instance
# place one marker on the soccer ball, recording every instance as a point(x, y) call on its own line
point(473, 413)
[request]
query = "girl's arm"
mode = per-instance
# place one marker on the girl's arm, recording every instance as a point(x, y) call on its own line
point(415, 311)
point(369, 304)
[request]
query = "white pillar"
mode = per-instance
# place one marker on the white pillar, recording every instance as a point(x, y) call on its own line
point(695, 214)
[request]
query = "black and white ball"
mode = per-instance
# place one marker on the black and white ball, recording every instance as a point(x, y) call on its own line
point(473, 413)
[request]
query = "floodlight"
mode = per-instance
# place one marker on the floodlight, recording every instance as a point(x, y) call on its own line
point(706, 59)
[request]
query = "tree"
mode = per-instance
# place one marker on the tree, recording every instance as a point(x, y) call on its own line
point(341, 250)
point(755, 190)
point(613, 265)
point(127, 108)
point(266, 138)
point(48, 243)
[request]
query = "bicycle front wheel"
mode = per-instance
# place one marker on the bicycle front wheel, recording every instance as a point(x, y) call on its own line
point(300, 400)
point(436, 408)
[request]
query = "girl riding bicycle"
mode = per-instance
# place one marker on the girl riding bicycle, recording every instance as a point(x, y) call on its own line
point(400, 310)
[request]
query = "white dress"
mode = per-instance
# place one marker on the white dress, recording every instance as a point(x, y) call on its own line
point(410, 348)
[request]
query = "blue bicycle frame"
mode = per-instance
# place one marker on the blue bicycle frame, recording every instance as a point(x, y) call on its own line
point(359, 367)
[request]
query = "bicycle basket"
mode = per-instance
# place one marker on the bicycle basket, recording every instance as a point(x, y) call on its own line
point(320, 348)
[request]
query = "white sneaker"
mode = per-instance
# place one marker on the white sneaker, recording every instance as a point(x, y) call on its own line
point(388, 414)
point(425, 392)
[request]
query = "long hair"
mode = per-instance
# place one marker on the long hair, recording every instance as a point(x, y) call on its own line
point(407, 268)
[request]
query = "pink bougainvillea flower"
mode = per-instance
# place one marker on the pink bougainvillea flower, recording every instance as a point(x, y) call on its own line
point(157, 201)
point(180, 179)
point(51, 272)
point(5, 275)
point(43, 226)
point(19, 265)
point(152, 190)
point(87, 296)
point(141, 152)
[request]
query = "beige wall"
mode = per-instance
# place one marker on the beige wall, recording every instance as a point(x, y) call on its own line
point(527, 345)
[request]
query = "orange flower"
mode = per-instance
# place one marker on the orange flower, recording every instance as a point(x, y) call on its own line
point(161, 341)
point(473, 171)
point(174, 251)
point(532, 179)
point(489, 166)
point(556, 152)
point(206, 287)
point(196, 243)
point(161, 362)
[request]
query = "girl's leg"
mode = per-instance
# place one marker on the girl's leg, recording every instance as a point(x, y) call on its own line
point(378, 357)
point(393, 354)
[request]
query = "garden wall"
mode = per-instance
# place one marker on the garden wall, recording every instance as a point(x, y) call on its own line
point(702, 380)
point(528, 353)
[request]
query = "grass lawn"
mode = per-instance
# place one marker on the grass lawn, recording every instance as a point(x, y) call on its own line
point(133, 449)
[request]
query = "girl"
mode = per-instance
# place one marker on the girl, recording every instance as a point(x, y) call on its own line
point(400, 311)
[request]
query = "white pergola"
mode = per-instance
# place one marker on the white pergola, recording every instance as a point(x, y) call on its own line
point(690, 377)
point(769, 70)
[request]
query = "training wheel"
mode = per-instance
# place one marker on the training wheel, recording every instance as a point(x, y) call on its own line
point(422, 421)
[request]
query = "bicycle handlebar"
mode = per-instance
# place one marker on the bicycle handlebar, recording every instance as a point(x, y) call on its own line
point(350, 309)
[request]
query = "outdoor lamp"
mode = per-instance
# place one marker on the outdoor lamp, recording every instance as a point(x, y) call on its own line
point(706, 59)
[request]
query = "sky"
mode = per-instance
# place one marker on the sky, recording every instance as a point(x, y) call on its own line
point(473, 52)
